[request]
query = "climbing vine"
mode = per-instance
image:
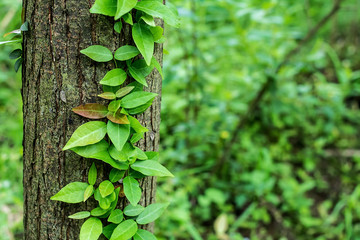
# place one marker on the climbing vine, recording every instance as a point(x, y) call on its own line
point(113, 141)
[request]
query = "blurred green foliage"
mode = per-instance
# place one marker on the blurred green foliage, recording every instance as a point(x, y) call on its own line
point(293, 171)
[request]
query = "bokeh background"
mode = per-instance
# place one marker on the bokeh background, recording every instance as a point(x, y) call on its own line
point(292, 168)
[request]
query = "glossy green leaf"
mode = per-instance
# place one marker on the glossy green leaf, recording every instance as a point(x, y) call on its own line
point(125, 230)
point(106, 188)
point(116, 216)
point(115, 77)
point(126, 52)
point(132, 190)
point(149, 20)
point(152, 155)
point(91, 229)
point(92, 174)
point(136, 137)
point(107, 95)
point(98, 53)
point(133, 211)
point(108, 230)
point(124, 6)
point(104, 203)
point(115, 175)
point(114, 105)
point(71, 193)
point(137, 99)
point(88, 192)
point(118, 26)
point(140, 154)
point(86, 134)
point(144, 41)
point(137, 76)
point(142, 234)
point(141, 109)
point(80, 215)
point(141, 66)
point(97, 212)
point(151, 168)
point(158, 9)
point(97, 151)
point(151, 213)
point(118, 134)
point(124, 91)
point(125, 154)
point(104, 7)
point(136, 125)
point(157, 32)
point(128, 18)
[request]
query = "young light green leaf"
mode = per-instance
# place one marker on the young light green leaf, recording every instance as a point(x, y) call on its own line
point(151, 168)
point(137, 99)
point(149, 20)
point(91, 110)
point(106, 188)
point(127, 152)
point(118, 26)
point(142, 234)
point(115, 175)
point(88, 192)
point(92, 174)
point(157, 66)
point(136, 137)
point(114, 105)
point(118, 134)
point(133, 211)
point(97, 151)
point(115, 77)
point(86, 134)
point(151, 213)
point(137, 76)
point(97, 212)
point(157, 9)
point(116, 216)
point(107, 95)
point(152, 155)
point(104, 203)
point(71, 193)
point(124, 6)
point(157, 32)
point(126, 52)
point(124, 91)
point(132, 190)
point(128, 18)
point(136, 125)
point(80, 215)
point(141, 109)
point(140, 154)
point(91, 229)
point(125, 230)
point(144, 41)
point(98, 53)
point(104, 7)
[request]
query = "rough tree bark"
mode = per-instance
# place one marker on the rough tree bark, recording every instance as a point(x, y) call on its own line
point(56, 78)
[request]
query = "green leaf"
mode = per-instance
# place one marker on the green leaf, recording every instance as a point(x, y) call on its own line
point(97, 151)
point(115, 175)
point(157, 66)
point(91, 229)
point(106, 188)
point(98, 53)
point(104, 203)
point(118, 134)
point(80, 215)
point(124, 91)
point(104, 7)
point(137, 99)
point(136, 137)
point(91, 110)
point(157, 9)
point(151, 168)
point(142, 234)
point(124, 6)
point(97, 212)
point(127, 152)
point(18, 64)
point(137, 76)
point(118, 26)
point(141, 66)
point(116, 216)
point(140, 154)
point(86, 134)
point(25, 26)
point(71, 193)
point(136, 125)
point(126, 52)
point(128, 18)
point(152, 155)
point(108, 230)
point(88, 192)
point(114, 105)
point(132, 190)
point(92, 174)
point(149, 20)
point(157, 32)
point(151, 213)
point(133, 211)
point(15, 54)
point(144, 41)
point(118, 117)
point(141, 109)
point(107, 95)
point(115, 77)
point(125, 230)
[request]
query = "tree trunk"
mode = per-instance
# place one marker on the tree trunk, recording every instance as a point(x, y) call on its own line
point(56, 78)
